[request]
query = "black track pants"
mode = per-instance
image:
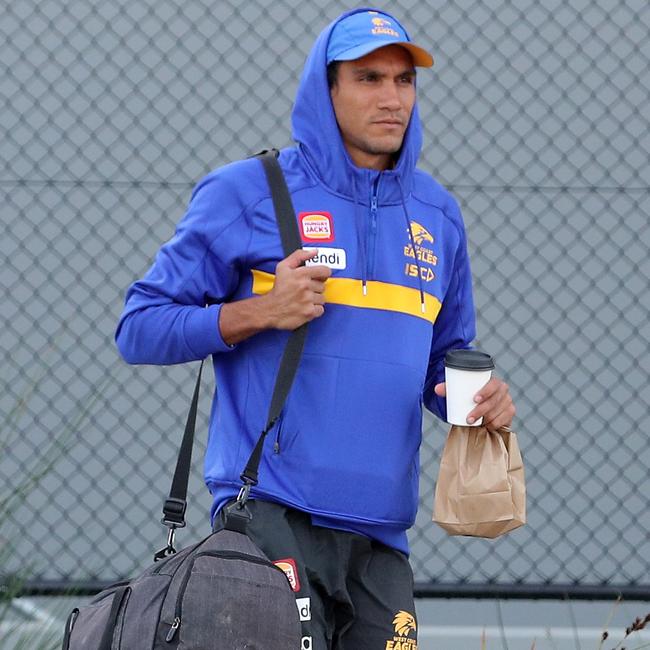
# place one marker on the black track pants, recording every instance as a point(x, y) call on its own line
point(352, 593)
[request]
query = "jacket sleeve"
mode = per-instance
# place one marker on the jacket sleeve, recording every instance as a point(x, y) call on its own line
point(455, 326)
point(165, 318)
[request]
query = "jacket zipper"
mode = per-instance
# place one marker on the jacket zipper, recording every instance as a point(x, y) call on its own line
point(372, 231)
point(224, 555)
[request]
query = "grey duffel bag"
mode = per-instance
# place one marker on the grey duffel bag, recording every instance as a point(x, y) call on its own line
point(221, 593)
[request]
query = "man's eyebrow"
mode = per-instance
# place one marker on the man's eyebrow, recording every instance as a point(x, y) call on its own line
point(367, 70)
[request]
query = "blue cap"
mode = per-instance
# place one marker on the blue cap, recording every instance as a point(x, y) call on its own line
point(361, 33)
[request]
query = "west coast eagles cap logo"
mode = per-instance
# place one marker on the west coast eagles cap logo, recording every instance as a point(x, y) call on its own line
point(380, 22)
point(383, 26)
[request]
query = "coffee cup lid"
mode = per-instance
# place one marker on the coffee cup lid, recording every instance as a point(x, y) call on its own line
point(469, 360)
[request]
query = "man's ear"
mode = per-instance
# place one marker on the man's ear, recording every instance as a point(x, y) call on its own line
point(333, 74)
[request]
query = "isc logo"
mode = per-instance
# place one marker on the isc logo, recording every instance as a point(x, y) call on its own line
point(426, 273)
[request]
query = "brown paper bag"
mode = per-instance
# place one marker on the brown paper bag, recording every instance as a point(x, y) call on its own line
point(480, 490)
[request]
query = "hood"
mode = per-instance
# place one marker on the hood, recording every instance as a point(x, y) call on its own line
point(314, 127)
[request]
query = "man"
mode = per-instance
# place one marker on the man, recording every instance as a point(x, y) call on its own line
point(387, 291)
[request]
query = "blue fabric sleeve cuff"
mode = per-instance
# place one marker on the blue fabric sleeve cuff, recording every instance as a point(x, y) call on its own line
point(203, 334)
point(440, 404)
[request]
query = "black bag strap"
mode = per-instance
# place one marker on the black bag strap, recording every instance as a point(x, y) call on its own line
point(284, 212)
point(69, 624)
point(176, 504)
point(106, 642)
point(286, 218)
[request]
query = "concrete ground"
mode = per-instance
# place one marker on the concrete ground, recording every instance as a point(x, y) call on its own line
point(446, 624)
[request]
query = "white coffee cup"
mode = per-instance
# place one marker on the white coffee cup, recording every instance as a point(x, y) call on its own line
point(466, 372)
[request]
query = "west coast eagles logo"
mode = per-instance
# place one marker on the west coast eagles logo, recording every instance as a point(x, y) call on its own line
point(420, 233)
point(383, 27)
point(420, 249)
point(404, 624)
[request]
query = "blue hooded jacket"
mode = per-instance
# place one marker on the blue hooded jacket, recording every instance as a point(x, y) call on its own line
point(347, 445)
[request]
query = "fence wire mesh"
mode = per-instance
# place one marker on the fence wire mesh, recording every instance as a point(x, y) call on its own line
point(533, 117)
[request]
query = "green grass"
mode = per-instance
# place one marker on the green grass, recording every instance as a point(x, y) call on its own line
point(46, 635)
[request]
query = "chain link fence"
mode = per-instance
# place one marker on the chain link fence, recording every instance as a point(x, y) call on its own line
point(533, 117)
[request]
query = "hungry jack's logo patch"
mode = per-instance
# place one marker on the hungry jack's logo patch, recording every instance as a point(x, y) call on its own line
point(316, 226)
point(405, 627)
point(288, 565)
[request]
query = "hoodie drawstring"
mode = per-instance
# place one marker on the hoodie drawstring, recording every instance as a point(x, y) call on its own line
point(410, 230)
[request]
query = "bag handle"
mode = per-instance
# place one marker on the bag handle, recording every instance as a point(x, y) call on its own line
point(238, 516)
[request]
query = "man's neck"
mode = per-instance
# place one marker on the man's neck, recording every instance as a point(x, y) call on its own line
point(378, 162)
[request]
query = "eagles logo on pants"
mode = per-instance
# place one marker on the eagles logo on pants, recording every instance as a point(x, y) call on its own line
point(352, 593)
point(404, 625)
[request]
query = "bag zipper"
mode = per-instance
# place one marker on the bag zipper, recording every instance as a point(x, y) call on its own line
point(224, 555)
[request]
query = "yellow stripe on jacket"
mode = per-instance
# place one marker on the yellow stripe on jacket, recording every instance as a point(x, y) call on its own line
point(380, 295)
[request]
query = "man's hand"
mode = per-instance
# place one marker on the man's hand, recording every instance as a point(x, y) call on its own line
point(296, 298)
point(297, 294)
point(494, 404)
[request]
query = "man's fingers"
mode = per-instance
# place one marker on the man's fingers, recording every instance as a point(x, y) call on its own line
point(503, 419)
point(497, 413)
point(317, 290)
point(495, 405)
point(318, 272)
point(317, 286)
point(298, 258)
point(491, 394)
point(493, 386)
point(298, 289)
point(492, 405)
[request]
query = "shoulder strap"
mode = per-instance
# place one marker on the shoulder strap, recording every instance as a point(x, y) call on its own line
point(286, 218)
point(176, 504)
point(284, 212)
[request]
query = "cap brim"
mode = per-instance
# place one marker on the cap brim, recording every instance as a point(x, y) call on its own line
point(421, 58)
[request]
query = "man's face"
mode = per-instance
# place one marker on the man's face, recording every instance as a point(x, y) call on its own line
point(373, 98)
